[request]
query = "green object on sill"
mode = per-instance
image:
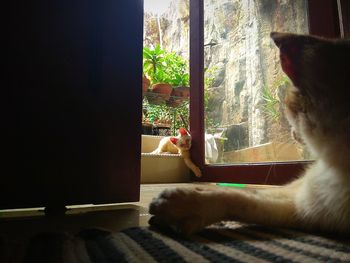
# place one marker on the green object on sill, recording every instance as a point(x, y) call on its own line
point(231, 185)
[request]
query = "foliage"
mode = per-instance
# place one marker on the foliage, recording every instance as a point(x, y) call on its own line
point(153, 64)
point(166, 67)
point(271, 102)
point(209, 77)
point(182, 110)
point(176, 68)
point(161, 66)
point(164, 114)
point(156, 113)
point(169, 67)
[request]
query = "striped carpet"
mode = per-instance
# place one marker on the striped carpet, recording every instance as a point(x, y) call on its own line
point(225, 242)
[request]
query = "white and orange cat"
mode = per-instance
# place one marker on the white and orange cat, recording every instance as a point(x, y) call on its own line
point(180, 144)
point(318, 109)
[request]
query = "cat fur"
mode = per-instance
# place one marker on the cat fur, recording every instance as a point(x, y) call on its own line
point(179, 145)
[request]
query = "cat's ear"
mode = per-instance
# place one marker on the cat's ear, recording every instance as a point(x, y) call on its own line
point(173, 140)
point(290, 46)
point(183, 131)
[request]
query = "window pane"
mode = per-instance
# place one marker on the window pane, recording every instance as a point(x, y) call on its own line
point(244, 83)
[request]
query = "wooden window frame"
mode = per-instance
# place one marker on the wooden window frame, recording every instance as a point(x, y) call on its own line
point(324, 21)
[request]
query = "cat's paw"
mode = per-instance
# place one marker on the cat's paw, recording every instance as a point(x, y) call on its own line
point(187, 210)
point(197, 172)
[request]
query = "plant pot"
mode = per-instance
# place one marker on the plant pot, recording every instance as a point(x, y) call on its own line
point(178, 96)
point(145, 83)
point(164, 89)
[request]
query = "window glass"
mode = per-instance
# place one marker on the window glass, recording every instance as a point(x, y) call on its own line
point(244, 82)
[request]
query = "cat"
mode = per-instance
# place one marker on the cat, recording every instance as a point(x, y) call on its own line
point(318, 109)
point(179, 145)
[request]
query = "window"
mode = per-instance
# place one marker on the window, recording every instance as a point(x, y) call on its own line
point(237, 86)
point(244, 83)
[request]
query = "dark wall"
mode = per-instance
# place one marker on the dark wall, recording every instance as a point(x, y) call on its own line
point(72, 102)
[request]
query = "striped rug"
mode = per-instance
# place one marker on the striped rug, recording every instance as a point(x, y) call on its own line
point(225, 242)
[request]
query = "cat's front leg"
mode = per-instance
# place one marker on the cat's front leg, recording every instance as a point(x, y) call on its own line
point(188, 210)
point(194, 168)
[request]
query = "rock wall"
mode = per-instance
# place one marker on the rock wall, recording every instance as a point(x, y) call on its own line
point(241, 55)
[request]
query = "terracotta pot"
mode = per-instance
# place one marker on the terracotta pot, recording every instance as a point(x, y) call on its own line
point(183, 92)
point(178, 96)
point(162, 88)
point(145, 83)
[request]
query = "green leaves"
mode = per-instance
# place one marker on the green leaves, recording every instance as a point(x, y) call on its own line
point(153, 60)
point(164, 114)
point(271, 102)
point(177, 70)
point(163, 67)
point(157, 113)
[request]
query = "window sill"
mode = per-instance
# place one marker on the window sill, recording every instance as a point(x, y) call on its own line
point(161, 168)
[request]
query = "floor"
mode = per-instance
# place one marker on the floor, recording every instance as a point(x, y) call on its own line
point(114, 217)
point(17, 227)
point(20, 225)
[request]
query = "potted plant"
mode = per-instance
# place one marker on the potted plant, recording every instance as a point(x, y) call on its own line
point(154, 67)
point(161, 86)
point(178, 75)
point(178, 96)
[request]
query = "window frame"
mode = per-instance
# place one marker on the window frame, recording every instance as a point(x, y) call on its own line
point(273, 173)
